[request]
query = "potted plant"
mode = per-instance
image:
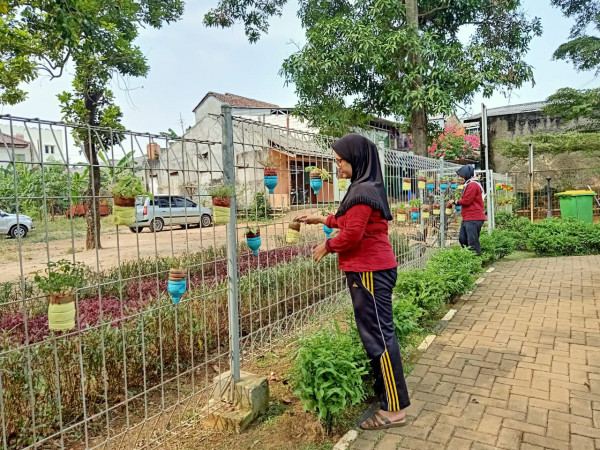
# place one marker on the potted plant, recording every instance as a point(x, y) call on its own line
point(443, 183)
point(221, 200)
point(457, 196)
point(425, 210)
point(430, 184)
point(449, 211)
point(415, 204)
point(326, 229)
point(436, 209)
point(293, 232)
point(125, 191)
point(498, 186)
point(406, 184)
point(317, 175)
point(61, 280)
point(270, 166)
point(177, 284)
point(401, 213)
point(453, 182)
point(422, 181)
point(343, 184)
point(253, 238)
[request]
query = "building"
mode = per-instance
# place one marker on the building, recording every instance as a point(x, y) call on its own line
point(14, 148)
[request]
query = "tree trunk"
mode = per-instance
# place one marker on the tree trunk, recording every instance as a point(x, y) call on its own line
point(92, 216)
point(418, 120)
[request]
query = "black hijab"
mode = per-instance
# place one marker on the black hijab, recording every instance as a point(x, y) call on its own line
point(367, 180)
point(466, 172)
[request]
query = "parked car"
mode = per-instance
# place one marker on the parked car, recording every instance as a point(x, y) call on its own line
point(162, 210)
point(13, 226)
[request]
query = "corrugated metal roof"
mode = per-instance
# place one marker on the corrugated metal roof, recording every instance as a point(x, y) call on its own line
point(237, 101)
point(508, 110)
point(6, 140)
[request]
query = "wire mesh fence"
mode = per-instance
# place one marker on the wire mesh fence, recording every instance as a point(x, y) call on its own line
point(114, 322)
point(546, 184)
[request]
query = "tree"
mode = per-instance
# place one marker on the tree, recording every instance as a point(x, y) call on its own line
point(583, 51)
point(362, 59)
point(97, 38)
point(551, 145)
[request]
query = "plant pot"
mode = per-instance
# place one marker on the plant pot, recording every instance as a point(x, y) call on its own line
point(254, 243)
point(401, 217)
point(458, 207)
point(221, 210)
point(61, 311)
point(406, 184)
point(124, 201)
point(270, 179)
point(448, 211)
point(293, 233)
point(443, 185)
point(176, 289)
point(123, 215)
point(430, 187)
point(422, 183)
point(498, 187)
point(343, 184)
point(316, 183)
point(426, 214)
point(327, 231)
point(453, 185)
point(414, 214)
point(436, 211)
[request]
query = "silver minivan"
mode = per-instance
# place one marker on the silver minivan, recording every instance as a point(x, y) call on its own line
point(169, 210)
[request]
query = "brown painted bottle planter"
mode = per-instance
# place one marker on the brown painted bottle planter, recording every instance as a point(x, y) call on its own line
point(124, 201)
point(177, 274)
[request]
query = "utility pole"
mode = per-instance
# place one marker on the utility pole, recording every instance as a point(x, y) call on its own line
point(418, 119)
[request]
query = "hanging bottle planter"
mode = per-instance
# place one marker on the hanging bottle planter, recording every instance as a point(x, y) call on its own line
point(453, 183)
point(327, 231)
point(443, 184)
point(125, 191)
point(458, 207)
point(425, 212)
point(221, 200)
point(430, 184)
point(406, 184)
point(401, 215)
point(448, 211)
point(436, 209)
point(61, 311)
point(293, 233)
point(461, 185)
point(414, 214)
point(253, 239)
point(343, 184)
point(270, 179)
point(422, 182)
point(177, 284)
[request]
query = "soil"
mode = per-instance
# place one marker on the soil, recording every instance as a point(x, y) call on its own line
point(269, 172)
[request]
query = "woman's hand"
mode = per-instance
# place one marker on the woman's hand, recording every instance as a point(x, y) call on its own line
point(313, 219)
point(319, 252)
point(449, 204)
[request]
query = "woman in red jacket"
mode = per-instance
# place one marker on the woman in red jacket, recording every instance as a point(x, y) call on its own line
point(367, 258)
point(473, 212)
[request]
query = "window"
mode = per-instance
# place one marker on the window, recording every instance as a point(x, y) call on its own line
point(174, 174)
point(178, 202)
point(49, 149)
point(160, 202)
point(190, 204)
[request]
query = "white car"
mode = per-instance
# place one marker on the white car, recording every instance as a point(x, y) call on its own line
point(15, 226)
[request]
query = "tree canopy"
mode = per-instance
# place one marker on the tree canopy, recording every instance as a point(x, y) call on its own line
point(551, 144)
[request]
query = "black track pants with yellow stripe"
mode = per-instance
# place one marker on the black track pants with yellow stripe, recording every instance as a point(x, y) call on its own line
point(371, 294)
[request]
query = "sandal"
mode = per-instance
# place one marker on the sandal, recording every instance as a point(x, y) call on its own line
point(378, 425)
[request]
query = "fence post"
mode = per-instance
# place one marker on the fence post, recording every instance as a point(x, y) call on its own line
point(491, 206)
point(232, 281)
point(442, 209)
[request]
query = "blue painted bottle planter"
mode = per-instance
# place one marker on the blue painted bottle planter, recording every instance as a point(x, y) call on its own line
point(443, 186)
point(430, 186)
point(177, 289)
point(453, 185)
point(327, 231)
point(270, 183)
point(254, 243)
point(316, 184)
point(414, 216)
point(458, 207)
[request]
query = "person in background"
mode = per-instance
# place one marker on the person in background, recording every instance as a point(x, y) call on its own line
point(367, 258)
point(472, 209)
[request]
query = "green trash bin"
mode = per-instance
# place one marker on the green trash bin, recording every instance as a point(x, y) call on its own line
point(577, 204)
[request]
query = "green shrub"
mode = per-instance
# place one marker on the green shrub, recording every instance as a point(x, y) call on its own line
point(407, 317)
point(260, 208)
point(456, 267)
point(564, 237)
point(497, 245)
point(328, 373)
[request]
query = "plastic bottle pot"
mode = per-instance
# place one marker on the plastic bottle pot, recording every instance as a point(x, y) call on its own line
point(61, 312)
point(430, 186)
point(316, 184)
point(254, 243)
point(458, 207)
point(176, 289)
point(327, 231)
point(271, 183)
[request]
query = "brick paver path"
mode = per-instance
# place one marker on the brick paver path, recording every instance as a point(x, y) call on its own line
point(517, 367)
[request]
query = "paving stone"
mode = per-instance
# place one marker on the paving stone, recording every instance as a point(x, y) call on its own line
point(509, 439)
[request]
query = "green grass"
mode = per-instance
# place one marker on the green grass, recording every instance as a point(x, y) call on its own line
point(519, 255)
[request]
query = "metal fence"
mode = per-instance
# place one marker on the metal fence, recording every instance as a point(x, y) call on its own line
point(546, 183)
point(136, 364)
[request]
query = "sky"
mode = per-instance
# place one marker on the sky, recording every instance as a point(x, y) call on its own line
point(187, 60)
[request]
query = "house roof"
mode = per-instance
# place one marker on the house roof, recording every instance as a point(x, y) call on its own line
point(6, 140)
point(508, 110)
point(236, 101)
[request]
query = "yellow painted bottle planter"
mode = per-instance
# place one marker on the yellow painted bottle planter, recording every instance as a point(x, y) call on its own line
point(436, 212)
point(292, 236)
point(343, 184)
point(123, 215)
point(406, 184)
point(422, 184)
point(221, 215)
point(61, 312)
point(425, 214)
point(401, 217)
point(448, 211)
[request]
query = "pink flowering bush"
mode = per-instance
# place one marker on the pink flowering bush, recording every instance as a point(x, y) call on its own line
point(454, 144)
